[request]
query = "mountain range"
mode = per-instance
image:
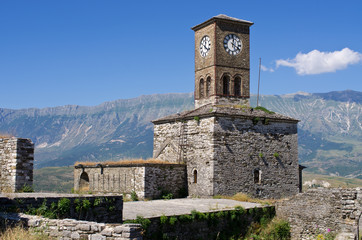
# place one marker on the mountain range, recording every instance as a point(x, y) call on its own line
point(330, 128)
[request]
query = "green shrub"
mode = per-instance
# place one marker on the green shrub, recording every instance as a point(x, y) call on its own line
point(26, 189)
point(134, 196)
point(63, 206)
point(197, 118)
point(276, 155)
point(167, 196)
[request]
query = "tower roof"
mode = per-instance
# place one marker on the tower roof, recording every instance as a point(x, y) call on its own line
point(221, 17)
point(210, 110)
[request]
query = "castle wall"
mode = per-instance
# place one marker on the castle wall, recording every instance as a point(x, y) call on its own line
point(16, 162)
point(227, 152)
point(318, 210)
point(147, 181)
point(260, 159)
point(197, 153)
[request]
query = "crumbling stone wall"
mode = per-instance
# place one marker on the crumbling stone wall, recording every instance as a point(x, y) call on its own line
point(16, 162)
point(225, 154)
point(103, 208)
point(318, 210)
point(73, 229)
point(148, 180)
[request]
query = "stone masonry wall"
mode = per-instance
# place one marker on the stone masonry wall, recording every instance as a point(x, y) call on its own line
point(73, 229)
point(16, 162)
point(318, 210)
point(198, 155)
point(226, 152)
point(148, 181)
point(165, 179)
point(102, 179)
point(257, 158)
point(104, 208)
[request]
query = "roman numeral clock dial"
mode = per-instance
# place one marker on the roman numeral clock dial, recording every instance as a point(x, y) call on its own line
point(205, 46)
point(232, 44)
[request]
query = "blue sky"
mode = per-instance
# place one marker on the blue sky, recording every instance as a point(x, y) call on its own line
point(86, 52)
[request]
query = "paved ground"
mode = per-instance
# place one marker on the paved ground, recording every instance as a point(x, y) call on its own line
point(157, 208)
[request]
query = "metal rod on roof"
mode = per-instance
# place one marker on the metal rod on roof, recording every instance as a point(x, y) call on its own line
point(257, 99)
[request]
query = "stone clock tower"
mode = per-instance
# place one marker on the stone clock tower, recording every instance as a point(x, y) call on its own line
point(227, 146)
point(222, 61)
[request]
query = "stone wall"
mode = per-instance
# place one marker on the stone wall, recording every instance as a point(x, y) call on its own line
point(197, 153)
point(73, 229)
point(318, 210)
point(105, 208)
point(256, 158)
point(16, 162)
point(227, 224)
point(227, 154)
point(148, 180)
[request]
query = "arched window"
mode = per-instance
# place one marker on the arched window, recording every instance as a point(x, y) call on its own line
point(257, 176)
point(237, 87)
point(201, 88)
point(208, 86)
point(226, 85)
point(84, 182)
point(195, 176)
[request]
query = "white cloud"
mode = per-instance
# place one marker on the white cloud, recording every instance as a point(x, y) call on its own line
point(316, 62)
point(265, 69)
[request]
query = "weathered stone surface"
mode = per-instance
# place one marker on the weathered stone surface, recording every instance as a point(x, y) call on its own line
point(84, 230)
point(318, 210)
point(109, 207)
point(223, 153)
point(147, 180)
point(16, 164)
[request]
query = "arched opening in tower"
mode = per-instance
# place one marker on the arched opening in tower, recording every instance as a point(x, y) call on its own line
point(226, 85)
point(84, 182)
point(237, 87)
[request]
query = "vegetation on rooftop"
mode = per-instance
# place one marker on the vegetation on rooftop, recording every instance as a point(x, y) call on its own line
point(264, 109)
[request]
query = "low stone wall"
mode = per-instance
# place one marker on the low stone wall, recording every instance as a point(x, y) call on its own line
point(16, 164)
point(229, 224)
point(318, 210)
point(73, 229)
point(146, 180)
point(105, 208)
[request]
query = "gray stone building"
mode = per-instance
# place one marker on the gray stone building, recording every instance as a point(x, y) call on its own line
point(225, 145)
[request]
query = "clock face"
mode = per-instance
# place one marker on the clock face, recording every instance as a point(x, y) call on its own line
point(232, 44)
point(205, 46)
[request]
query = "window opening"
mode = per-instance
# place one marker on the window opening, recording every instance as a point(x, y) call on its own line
point(237, 87)
point(257, 176)
point(226, 85)
point(195, 176)
point(208, 86)
point(201, 88)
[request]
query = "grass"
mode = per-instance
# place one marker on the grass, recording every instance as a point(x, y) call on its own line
point(126, 162)
point(19, 233)
point(336, 182)
point(242, 197)
point(45, 178)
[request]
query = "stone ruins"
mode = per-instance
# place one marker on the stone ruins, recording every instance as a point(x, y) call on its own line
point(16, 162)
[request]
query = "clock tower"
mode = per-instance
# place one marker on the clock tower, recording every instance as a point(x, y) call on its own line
point(222, 61)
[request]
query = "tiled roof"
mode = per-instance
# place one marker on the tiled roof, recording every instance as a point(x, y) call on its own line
point(221, 17)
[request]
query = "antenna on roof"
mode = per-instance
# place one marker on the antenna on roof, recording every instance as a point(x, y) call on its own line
point(257, 99)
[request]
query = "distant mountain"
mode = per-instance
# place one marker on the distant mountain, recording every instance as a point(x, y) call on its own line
point(330, 131)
